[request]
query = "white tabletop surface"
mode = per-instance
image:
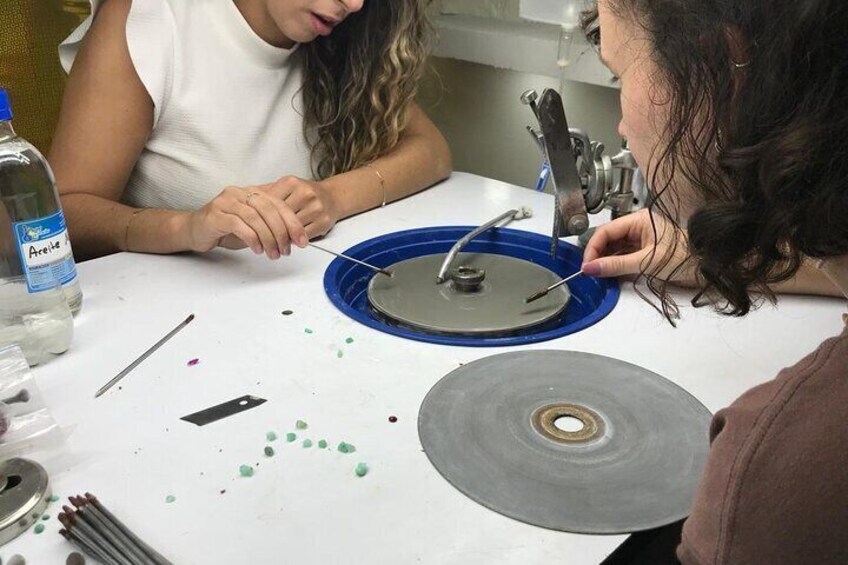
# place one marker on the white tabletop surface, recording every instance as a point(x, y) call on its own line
point(306, 506)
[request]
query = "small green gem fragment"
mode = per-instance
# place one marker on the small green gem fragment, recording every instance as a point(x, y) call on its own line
point(269, 451)
point(349, 340)
point(39, 528)
point(308, 330)
point(246, 471)
point(307, 443)
point(339, 353)
point(322, 444)
point(271, 436)
point(346, 448)
point(290, 437)
point(53, 498)
point(170, 498)
point(361, 470)
point(301, 425)
point(45, 517)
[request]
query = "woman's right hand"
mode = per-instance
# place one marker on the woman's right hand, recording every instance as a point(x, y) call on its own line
point(620, 247)
point(239, 218)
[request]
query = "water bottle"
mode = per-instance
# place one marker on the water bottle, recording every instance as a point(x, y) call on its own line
point(39, 289)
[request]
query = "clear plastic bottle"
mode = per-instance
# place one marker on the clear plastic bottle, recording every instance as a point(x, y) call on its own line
point(38, 280)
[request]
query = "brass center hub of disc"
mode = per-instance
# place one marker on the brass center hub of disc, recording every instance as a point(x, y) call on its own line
point(545, 418)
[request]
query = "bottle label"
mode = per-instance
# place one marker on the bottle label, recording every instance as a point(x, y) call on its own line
point(46, 254)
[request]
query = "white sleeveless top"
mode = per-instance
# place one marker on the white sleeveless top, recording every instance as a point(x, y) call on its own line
point(227, 105)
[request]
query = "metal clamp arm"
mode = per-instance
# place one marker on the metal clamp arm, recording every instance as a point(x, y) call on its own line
point(569, 190)
point(518, 214)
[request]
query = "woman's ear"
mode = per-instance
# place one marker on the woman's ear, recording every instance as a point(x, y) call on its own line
point(740, 49)
point(741, 53)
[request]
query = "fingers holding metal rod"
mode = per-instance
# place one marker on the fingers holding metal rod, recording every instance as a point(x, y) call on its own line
point(566, 280)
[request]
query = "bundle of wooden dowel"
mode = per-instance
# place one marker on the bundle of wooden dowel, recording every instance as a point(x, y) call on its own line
point(99, 534)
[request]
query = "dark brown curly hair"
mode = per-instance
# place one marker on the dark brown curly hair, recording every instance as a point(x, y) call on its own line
point(767, 165)
point(360, 82)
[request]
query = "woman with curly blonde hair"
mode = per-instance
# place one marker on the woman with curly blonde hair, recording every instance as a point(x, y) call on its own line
point(192, 124)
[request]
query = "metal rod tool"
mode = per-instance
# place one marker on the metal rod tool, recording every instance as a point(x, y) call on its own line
point(566, 280)
point(556, 285)
point(351, 259)
point(144, 356)
point(506, 217)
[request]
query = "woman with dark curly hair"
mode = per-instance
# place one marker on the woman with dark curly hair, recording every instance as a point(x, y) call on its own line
point(737, 111)
point(192, 124)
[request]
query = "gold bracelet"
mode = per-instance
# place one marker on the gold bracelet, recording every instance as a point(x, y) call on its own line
point(127, 230)
point(382, 182)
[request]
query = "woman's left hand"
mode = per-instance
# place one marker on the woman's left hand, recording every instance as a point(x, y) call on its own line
point(311, 201)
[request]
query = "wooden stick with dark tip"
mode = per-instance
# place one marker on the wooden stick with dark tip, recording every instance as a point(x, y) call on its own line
point(102, 540)
point(125, 545)
point(129, 547)
point(545, 292)
point(86, 548)
point(102, 553)
point(566, 280)
point(152, 553)
point(74, 524)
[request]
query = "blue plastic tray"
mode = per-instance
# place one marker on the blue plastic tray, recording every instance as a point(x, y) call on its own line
point(346, 283)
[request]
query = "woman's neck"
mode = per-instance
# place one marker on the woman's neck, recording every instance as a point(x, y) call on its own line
point(836, 269)
point(255, 13)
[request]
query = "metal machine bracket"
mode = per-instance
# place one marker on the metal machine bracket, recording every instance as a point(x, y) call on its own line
point(583, 177)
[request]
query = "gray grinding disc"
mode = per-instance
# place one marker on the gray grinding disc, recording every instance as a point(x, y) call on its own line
point(412, 298)
point(491, 428)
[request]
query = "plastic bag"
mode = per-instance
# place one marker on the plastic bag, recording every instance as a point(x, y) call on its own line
point(25, 422)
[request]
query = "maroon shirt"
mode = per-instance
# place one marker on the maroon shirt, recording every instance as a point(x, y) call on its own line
point(775, 487)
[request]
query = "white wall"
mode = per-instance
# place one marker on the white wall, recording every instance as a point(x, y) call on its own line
point(477, 108)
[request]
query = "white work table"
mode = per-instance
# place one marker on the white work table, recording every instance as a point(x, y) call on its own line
point(306, 506)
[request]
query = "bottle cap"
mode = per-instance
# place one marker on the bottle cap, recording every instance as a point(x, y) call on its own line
point(5, 106)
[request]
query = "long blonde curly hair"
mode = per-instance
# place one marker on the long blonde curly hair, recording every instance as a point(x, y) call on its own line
point(360, 82)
